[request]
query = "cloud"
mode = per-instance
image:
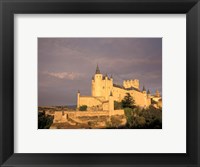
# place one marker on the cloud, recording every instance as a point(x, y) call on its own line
point(65, 75)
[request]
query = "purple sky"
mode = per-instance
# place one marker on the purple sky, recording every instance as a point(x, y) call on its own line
point(66, 65)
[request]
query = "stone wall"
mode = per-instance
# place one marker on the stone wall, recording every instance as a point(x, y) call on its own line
point(60, 116)
point(89, 101)
point(140, 98)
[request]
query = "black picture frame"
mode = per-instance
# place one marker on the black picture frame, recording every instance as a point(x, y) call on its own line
point(10, 7)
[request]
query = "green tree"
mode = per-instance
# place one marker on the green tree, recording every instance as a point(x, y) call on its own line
point(129, 116)
point(128, 101)
point(83, 108)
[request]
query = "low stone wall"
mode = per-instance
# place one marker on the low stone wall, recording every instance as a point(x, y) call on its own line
point(94, 113)
point(117, 112)
point(60, 116)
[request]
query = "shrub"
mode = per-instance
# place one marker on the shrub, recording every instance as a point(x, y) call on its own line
point(83, 108)
point(150, 118)
point(129, 116)
point(117, 105)
point(140, 122)
point(44, 122)
point(115, 122)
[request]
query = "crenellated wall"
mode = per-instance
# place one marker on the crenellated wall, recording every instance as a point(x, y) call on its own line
point(140, 98)
point(131, 83)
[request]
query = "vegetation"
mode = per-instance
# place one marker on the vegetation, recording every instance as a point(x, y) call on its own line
point(44, 122)
point(115, 122)
point(117, 105)
point(83, 108)
point(141, 118)
point(128, 101)
point(150, 118)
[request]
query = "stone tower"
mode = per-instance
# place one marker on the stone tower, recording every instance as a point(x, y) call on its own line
point(101, 84)
point(157, 94)
point(97, 83)
point(148, 94)
point(78, 99)
point(144, 90)
point(111, 102)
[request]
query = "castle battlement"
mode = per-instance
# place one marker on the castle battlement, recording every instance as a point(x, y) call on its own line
point(131, 83)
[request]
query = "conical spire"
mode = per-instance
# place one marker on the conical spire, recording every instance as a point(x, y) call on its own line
point(148, 92)
point(143, 89)
point(97, 70)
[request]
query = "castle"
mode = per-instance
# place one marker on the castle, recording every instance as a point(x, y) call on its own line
point(105, 92)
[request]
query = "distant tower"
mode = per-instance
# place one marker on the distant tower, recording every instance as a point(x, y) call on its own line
point(106, 75)
point(97, 83)
point(111, 102)
point(78, 99)
point(157, 94)
point(144, 90)
point(148, 93)
point(97, 70)
point(111, 79)
point(106, 90)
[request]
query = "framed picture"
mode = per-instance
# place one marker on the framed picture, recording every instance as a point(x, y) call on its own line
point(99, 83)
point(112, 101)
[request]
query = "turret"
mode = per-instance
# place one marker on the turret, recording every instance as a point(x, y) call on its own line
point(157, 94)
point(111, 78)
point(78, 99)
point(144, 90)
point(97, 70)
point(106, 76)
point(111, 102)
point(148, 93)
point(97, 83)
